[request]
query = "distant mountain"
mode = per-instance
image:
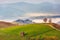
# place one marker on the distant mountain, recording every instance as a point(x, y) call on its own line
point(14, 10)
point(26, 21)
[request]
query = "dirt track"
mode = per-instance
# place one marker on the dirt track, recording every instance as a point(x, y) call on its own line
point(56, 26)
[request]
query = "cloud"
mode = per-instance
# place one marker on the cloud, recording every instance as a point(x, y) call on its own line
point(40, 14)
point(29, 1)
point(39, 1)
point(54, 20)
point(9, 1)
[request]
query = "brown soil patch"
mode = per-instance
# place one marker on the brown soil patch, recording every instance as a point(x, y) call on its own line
point(5, 24)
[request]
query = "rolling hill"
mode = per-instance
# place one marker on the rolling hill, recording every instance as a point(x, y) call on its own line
point(5, 24)
point(30, 30)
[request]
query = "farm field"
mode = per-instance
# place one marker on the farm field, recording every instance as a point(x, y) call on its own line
point(32, 31)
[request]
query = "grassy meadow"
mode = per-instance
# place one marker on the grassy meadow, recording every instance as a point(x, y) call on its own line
point(31, 32)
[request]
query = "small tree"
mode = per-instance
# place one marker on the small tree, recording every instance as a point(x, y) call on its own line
point(50, 20)
point(45, 20)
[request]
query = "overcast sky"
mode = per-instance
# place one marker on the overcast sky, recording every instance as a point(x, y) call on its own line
point(29, 1)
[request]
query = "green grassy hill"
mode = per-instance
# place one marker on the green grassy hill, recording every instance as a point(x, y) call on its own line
point(30, 30)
